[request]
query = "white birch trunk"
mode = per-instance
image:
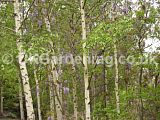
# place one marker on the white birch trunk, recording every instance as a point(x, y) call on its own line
point(116, 79)
point(86, 80)
point(21, 100)
point(52, 98)
point(38, 95)
point(75, 77)
point(58, 96)
point(22, 63)
point(113, 15)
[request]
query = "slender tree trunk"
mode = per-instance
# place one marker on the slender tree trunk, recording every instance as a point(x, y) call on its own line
point(105, 82)
point(140, 102)
point(58, 96)
point(86, 80)
point(94, 93)
point(75, 104)
point(52, 97)
point(22, 63)
point(113, 15)
point(1, 89)
point(139, 81)
point(75, 77)
point(156, 107)
point(21, 100)
point(37, 94)
point(116, 79)
point(51, 91)
point(126, 76)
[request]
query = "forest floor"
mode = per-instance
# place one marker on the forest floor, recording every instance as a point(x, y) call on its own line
point(7, 118)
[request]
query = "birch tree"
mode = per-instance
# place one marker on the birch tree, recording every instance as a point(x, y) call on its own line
point(51, 93)
point(116, 78)
point(75, 104)
point(113, 13)
point(37, 94)
point(86, 80)
point(22, 62)
point(58, 96)
point(21, 100)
